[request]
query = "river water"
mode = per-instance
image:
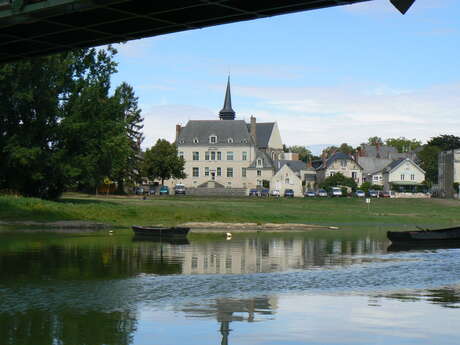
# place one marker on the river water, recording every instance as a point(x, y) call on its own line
point(318, 287)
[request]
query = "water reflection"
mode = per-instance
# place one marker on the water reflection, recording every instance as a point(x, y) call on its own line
point(227, 310)
point(94, 289)
point(69, 327)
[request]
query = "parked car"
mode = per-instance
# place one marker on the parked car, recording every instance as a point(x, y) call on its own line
point(336, 191)
point(309, 193)
point(383, 194)
point(152, 191)
point(254, 192)
point(322, 192)
point(265, 192)
point(373, 193)
point(179, 189)
point(275, 192)
point(288, 193)
point(139, 190)
point(164, 190)
point(360, 194)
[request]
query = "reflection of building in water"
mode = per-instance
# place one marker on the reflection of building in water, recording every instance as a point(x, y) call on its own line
point(275, 254)
point(227, 310)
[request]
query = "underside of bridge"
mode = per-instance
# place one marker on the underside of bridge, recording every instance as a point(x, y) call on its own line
point(38, 27)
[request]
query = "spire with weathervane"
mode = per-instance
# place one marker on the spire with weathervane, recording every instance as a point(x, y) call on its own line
point(227, 113)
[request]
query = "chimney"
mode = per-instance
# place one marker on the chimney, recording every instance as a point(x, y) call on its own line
point(178, 129)
point(324, 157)
point(309, 164)
point(253, 128)
point(377, 146)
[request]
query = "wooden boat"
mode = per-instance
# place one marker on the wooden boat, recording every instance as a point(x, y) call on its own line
point(160, 231)
point(447, 234)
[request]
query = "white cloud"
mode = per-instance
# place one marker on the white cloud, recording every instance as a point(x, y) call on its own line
point(160, 120)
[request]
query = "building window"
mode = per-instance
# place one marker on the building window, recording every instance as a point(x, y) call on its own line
point(332, 173)
point(245, 156)
point(219, 172)
point(343, 163)
point(402, 177)
point(219, 156)
point(230, 140)
point(412, 177)
point(354, 175)
point(212, 139)
point(195, 140)
point(229, 156)
point(229, 172)
point(213, 156)
point(196, 156)
point(259, 183)
point(206, 156)
point(259, 173)
point(196, 172)
point(243, 172)
point(375, 178)
point(287, 181)
point(260, 162)
point(206, 171)
point(181, 154)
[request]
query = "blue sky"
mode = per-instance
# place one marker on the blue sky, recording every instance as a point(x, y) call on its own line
point(327, 76)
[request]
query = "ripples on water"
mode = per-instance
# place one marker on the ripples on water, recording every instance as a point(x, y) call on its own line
point(116, 278)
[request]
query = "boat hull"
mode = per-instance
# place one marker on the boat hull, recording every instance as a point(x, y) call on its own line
point(449, 234)
point(157, 231)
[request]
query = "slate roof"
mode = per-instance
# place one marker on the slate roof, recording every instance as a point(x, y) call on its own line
point(295, 165)
point(384, 150)
point(334, 157)
point(397, 162)
point(372, 165)
point(203, 129)
point(263, 133)
point(267, 161)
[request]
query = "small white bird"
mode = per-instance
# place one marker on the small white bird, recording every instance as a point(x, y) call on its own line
point(111, 232)
point(229, 235)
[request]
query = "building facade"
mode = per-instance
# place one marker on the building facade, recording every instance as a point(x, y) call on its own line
point(448, 172)
point(403, 175)
point(229, 153)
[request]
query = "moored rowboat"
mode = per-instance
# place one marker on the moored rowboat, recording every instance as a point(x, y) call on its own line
point(160, 231)
point(447, 234)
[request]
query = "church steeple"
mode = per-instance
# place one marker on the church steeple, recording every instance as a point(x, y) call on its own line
point(227, 113)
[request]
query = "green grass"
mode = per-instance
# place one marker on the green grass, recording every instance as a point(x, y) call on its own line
point(119, 211)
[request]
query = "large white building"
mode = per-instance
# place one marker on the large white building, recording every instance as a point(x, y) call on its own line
point(230, 153)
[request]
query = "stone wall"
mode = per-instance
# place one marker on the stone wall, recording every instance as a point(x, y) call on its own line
point(217, 191)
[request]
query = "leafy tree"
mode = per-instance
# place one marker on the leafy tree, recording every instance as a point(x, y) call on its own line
point(338, 179)
point(403, 144)
point(330, 150)
point(374, 141)
point(162, 162)
point(445, 142)
point(347, 149)
point(428, 157)
point(365, 186)
point(29, 122)
point(304, 153)
point(59, 125)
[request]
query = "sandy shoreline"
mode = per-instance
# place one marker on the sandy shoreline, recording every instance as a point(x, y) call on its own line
point(196, 227)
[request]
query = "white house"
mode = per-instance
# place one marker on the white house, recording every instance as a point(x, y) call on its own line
point(403, 175)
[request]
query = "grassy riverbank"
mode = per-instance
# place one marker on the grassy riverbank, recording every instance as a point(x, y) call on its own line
point(125, 211)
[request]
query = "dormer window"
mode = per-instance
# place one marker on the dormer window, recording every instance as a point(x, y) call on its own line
point(195, 140)
point(212, 139)
point(230, 140)
point(259, 162)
